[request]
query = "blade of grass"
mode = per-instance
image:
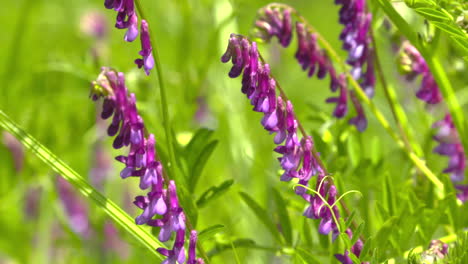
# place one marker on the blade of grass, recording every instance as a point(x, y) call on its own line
point(60, 167)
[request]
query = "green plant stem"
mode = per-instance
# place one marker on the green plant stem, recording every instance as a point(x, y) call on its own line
point(166, 123)
point(363, 97)
point(388, 96)
point(60, 167)
point(162, 92)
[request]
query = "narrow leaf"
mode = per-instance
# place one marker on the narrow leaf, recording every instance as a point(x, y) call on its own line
point(262, 215)
point(285, 221)
point(200, 164)
point(213, 193)
point(209, 232)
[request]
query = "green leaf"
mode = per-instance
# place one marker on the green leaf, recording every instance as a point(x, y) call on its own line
point(433, 14)
point(385, 231)
point(354, 151)
point(367, 246)
point(357, 233)
point(209, 232)
point(306, 257)
point(213, 193)
point(106, 205)
point(200, 163)
point(196, 144)
point(349, 220)
point(389, 195)
point(262, 215)
point(449, 29)
point(283, 216)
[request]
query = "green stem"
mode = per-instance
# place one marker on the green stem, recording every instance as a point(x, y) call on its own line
point(363, 97)
point(60, 167)
point(390, 97)
point(166, 124)
point(162, 92)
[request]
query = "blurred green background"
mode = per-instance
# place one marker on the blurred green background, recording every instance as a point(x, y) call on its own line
point(47, 65)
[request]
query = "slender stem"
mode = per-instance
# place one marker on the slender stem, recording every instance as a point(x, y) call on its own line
point(363, 97)
point(162, 91)
point(389, 98)
point(166, 123)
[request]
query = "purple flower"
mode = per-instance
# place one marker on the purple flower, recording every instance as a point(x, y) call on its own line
point(160, 205)
point(356, 40)
point(147, 62)
point(297, 159)
point(413, 65)
point(450, 145)
point(276, 21)
point(127, 19)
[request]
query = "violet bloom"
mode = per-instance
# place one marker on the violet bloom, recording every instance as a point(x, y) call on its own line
point(74, 207)
point(276, 21)
point(127, 19)
point(297, 159)
point(160, 205)
point(450, 146)
point(414, 65)
point(356, 40)
point(147, 62)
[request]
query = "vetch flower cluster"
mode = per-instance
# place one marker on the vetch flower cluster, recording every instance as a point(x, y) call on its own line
point(449, 144)
point(160, 206)
point(127, 19)
point(276, 21)
point(297, 158)
point(413, 65)
point(356, 40)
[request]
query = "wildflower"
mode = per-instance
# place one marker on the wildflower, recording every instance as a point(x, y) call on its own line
point(75, 208)
point(160, 205)
point(147, 62)
point(276, 21)
point(296, 160)
point(356, 40)
point(127, 19)
point(413, 65)
point(450, 145)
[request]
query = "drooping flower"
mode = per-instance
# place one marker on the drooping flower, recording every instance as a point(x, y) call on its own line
point(147, 62)
point(297, 159)
point(276, 21)
point(414, 65)
point(127, 19)
point(160, 205)
point(356, 40)
point(450, 145)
